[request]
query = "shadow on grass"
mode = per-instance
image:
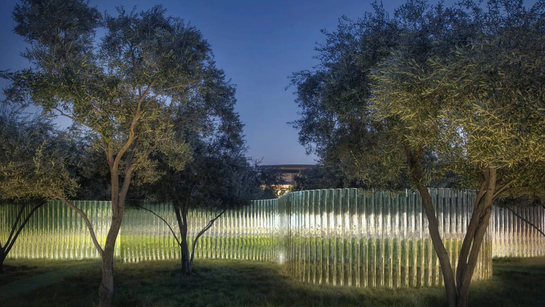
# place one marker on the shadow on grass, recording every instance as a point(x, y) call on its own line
point(516, 282)
point(240, 283)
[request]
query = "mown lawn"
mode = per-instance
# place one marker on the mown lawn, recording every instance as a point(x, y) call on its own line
point(516, 282)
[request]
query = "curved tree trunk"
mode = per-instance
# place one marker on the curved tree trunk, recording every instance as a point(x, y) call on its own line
point(119, 193)
point(474, 238)
point(457, 290)
point(106, 288)
point(433, 227)
point(439, 247)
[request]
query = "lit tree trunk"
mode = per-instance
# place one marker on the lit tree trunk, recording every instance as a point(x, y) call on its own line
point(433, 227)
point(457, 291)
point(474, 237)
point(106, 289)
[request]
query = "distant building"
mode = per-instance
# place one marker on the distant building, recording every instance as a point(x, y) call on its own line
point(288, 172)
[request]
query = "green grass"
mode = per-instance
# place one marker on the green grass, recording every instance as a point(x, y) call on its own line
point(24, 269)
point(516, 282)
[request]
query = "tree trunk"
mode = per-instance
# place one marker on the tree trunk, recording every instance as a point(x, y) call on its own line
point(457, 290)
point(181, 217)
point(475, 236)
point(439, 247)
point(415, 168)
point(186, 264)
point(106, 289)
point(2, 258)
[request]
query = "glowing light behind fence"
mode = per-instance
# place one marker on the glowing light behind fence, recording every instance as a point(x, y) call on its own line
point(341, 237)
point(338, 237)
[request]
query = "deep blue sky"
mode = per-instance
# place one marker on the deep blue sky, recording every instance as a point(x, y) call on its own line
point(258, 43)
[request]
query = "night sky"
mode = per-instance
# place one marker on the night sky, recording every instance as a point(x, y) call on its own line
point(258, 43)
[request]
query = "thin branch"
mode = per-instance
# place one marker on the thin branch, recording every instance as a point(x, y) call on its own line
point(9, 244)
point(525, 220)
point(124, 149)
point(176, 86)
point(15, 224)
point(162, 219)
point(128, 173)
point(132, 134)
point(93, 106)
point(87, 222)
point(210, 224)
point(482, 191)
point(503, 189)
point(167, 89)
point(74, 119)
point(143, 96)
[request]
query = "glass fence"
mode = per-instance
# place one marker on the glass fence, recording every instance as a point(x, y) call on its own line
point(339, 237)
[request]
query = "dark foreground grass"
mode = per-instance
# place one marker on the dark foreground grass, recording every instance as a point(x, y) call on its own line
point(516, 282)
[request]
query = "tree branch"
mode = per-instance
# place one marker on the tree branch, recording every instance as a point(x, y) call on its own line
point(87, 222)
point(10, 242)
point(77, 121)
point(210, 224)
point(525, 220)
point(15, 225)
point(128, 173)
point(162, 219)
point(502, 189)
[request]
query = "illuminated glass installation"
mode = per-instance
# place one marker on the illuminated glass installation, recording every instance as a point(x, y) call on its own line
point(341, 237)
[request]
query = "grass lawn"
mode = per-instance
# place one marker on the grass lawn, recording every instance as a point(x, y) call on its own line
point(516, 282)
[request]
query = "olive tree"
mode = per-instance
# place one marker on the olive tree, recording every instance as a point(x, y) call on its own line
point(434, 92)
point(477, 109)
point(218, 178)
point(124, 90)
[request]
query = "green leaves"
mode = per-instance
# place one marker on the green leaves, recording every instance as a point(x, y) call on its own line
point(477, 101)
point(32, 159)
point(461, 85)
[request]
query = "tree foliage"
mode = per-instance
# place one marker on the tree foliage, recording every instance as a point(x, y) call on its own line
point(32, 157)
